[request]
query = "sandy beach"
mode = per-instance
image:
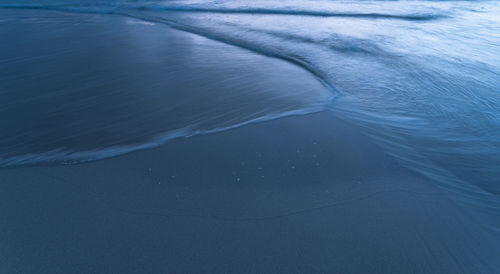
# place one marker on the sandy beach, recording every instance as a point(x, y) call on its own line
point(319, 199)
point(308, 193)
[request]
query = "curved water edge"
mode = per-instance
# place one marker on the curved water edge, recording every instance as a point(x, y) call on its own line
point(249, 11)
point(297, 60)
point(419, 95)
point(65, 157)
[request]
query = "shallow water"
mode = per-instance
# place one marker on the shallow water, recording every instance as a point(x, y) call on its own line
point(397, 172)
point(420, 77)
point(78, 91)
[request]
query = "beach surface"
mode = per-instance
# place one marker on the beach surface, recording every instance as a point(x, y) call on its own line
point(259, 189)
point(320, 198)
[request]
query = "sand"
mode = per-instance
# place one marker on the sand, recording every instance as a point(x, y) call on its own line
point(299, 194)
point(307, 193)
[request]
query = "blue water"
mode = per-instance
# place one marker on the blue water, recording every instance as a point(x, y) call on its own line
point(421, 78)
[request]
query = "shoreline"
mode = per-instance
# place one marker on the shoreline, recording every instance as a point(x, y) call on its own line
point(180, 207)
point(112, 85)
point(307, 193)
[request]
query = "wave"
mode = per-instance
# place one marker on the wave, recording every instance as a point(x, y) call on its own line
point(339, 43)
point(396, 140)
point(227, 39)
point(63, 156)
point(249, 11)
point(256, 47)
point(415, 91)
point(265, 11)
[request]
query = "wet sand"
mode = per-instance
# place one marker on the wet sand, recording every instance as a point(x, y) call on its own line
point(89, 86)
point(299, 194)
point(307, 193)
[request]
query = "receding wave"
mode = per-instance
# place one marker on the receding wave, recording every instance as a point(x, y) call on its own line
point(242, 43)
point(264, 11)
point(339, 43)
point(249, 11)
point(64, 156)
point(449, 100)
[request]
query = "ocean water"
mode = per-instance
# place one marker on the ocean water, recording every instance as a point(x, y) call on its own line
point(421, 78)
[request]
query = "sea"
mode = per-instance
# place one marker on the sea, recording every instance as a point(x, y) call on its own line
point(419, 78)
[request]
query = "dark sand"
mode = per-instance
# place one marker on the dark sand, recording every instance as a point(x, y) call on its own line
point(299, 194)
point(306, 194)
